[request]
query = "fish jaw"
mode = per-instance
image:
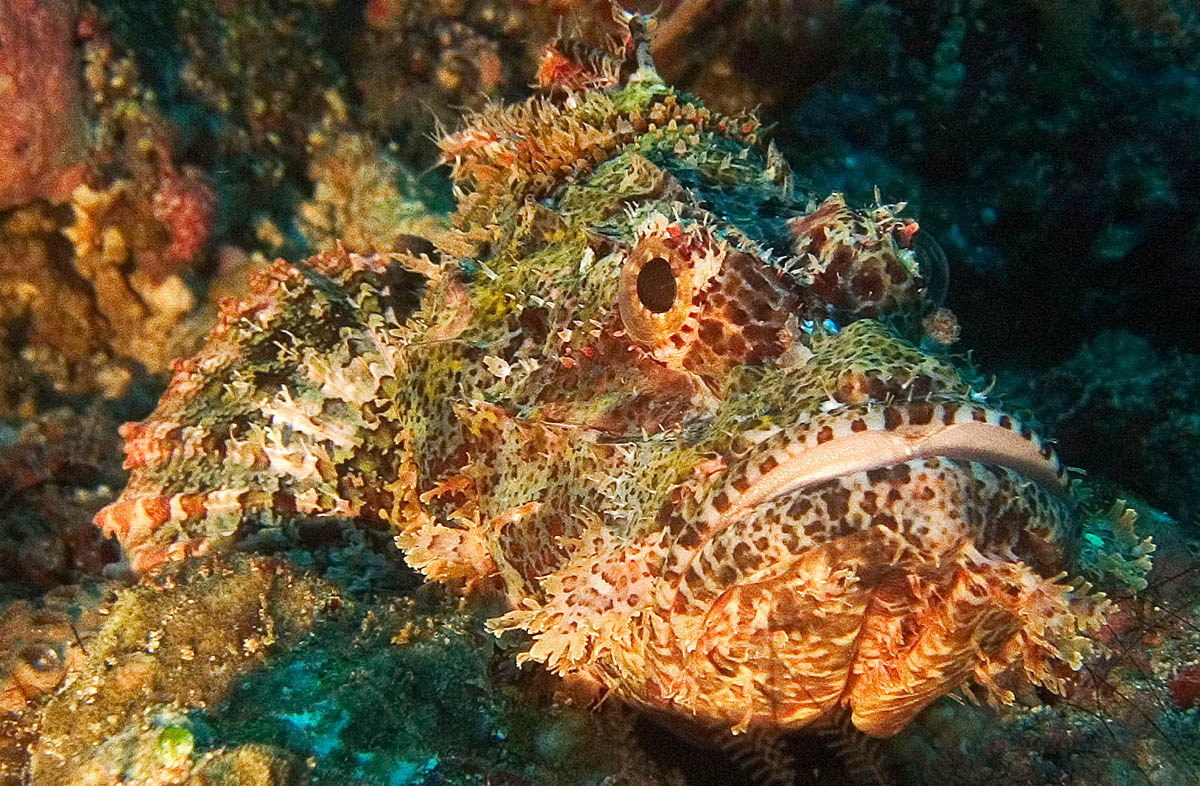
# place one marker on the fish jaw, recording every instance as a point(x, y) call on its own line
point(871, 562)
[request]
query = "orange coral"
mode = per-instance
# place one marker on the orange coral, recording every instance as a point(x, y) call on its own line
point(78, 311)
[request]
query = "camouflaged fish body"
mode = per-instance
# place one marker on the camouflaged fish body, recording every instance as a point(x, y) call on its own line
point(667, 402)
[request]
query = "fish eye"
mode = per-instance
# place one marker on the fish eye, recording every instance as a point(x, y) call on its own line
point(656, 287)
point(659, 280)
point(655, 290)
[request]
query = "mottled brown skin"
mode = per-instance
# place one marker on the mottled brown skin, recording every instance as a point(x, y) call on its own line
point(622, 395)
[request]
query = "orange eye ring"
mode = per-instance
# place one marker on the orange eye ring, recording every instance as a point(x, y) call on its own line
point(656, 291)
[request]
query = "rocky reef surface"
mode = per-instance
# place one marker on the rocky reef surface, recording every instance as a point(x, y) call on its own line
point(151, 162)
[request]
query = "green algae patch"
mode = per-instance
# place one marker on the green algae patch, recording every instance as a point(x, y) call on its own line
point(176, 741)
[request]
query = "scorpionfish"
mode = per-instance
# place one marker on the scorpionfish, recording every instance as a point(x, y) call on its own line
point(675, 407)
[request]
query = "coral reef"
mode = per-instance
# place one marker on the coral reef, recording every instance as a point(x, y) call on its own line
point(261, 66)
point(134, 153)
point(415, 691)
point(93, 295)
point(41, 646)
point(418, 63)
point(1112, 549)
point(124, 254)
point(48, 316)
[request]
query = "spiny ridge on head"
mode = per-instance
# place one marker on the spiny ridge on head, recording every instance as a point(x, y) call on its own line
point(589, 105)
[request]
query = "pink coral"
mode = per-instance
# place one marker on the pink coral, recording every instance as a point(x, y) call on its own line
point(42, 136)
point(186, 205)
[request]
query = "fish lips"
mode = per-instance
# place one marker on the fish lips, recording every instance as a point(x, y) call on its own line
point(871, 438)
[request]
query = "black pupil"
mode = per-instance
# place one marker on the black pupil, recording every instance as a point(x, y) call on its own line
point(656, 286)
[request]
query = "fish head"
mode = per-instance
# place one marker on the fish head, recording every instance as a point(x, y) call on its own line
point(716, 379)
point(630, 297)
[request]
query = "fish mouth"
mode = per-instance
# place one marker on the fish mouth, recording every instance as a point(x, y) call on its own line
point(877, 556)
point(869, 438)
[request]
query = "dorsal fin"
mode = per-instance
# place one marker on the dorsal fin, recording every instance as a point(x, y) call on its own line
point(569, 65)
